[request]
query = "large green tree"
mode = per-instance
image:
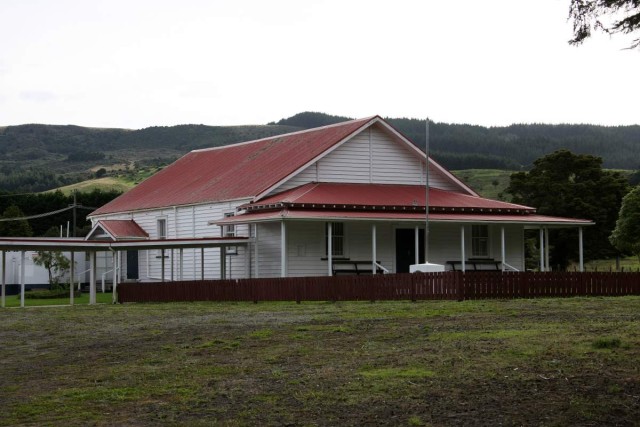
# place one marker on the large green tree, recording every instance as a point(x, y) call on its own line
point(626, 236)
point(608, 16)
point(573, 185)
point(14, 227)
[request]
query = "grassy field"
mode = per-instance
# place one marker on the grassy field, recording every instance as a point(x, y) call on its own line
point(519, 362)
point(105, 184)
point(14, 300)
point(486, 182)
point(627, 264)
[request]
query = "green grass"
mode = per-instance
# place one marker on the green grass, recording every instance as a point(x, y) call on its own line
point(488, 183)
point(516, 362)
point(626, 263)
point(104, 184)
point(14, 300)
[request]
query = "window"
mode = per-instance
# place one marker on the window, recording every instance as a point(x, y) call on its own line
point(480, 241)
point(162, 228)
point(230, 231)
point(337, 238)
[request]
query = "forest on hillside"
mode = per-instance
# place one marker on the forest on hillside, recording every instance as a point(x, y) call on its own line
point(36, 157)
point(515, 147)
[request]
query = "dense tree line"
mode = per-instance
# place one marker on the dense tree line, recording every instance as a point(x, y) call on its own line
point(34, 179)
point(65, 152)
point(85, 156)
point(34, 204)
point(517, 146)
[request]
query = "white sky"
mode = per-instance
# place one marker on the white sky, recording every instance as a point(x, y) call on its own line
point(139, 63)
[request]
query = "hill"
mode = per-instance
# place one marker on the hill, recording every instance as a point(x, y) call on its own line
point(515, 147)
point(38, 157)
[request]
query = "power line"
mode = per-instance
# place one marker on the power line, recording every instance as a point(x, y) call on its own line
point(38, 215)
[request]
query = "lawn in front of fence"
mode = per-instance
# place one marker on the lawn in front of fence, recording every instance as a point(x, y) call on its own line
point(545, 361)
point(83, 299)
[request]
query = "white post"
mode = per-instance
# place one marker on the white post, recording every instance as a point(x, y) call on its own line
point(201, 263)
point(541, 249)
point(330, 248)
point(374, 256)
point(22, 282)
point(162, 265)
point(116, 269)
point(546, 249)
point(283, 249)
point(464, 266)
point(503, 250)
point(416, 245)
point(4, 277)
point(255, 232)
point(172, 259)
point(247, 261)
point(181, 270)
point(223, 262)
point(92, 277)
point(580, 249)
point(72, 272)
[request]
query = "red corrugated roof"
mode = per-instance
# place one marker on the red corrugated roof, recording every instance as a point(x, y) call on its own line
point(123, 229)
point(324, 215)
point(232, 172)
point(358, 196)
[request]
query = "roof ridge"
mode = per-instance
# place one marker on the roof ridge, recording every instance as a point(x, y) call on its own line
point(282, 135)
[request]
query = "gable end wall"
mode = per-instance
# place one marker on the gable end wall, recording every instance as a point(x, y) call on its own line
point(371, 157)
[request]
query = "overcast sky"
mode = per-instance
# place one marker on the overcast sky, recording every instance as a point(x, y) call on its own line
point(140, 63)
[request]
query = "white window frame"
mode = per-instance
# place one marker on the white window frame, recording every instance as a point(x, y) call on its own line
point(165, 221)
point(479, 240)
point(162, 220)
point(229, 231)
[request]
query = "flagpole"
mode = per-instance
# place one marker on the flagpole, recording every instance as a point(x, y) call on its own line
point(426, 204)
point(427, 267)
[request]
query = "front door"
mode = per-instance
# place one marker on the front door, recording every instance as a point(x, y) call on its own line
point(132, 265)
point(406, 248)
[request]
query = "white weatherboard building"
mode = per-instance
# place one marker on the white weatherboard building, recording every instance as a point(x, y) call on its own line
point(341, 199)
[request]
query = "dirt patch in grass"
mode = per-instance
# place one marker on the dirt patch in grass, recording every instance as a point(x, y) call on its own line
point(523, 362)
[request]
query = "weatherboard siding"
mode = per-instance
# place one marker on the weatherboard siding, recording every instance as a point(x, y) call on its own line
point(348, 163)
point(371, 157)
point(186, 222)
point(305, 249)
point(269, 249)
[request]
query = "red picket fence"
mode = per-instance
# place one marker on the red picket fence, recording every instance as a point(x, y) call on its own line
point(451, 285)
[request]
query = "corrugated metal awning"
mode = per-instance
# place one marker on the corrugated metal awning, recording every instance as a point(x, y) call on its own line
point(390, 216)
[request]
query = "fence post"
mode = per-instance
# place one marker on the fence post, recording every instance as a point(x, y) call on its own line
point(459, 285)
point(252, 286)
point(414, 277)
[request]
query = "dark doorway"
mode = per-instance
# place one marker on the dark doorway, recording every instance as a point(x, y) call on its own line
point(132, 265)
point(406, 248)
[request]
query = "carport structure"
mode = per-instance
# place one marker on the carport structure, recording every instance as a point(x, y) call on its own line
point(92, 247)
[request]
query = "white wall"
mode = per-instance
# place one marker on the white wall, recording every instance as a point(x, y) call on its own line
point(372, 156)
point(184, 222)
point(35, 274)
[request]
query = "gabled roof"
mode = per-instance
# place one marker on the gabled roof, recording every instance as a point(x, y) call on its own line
point(233, 172)
point(117, 229)
point(327, 195)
